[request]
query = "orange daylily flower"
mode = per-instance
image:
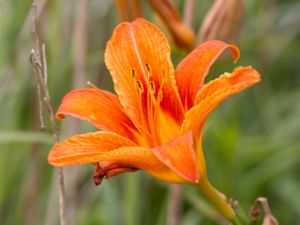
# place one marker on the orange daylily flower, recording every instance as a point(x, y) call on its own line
point(155, 121)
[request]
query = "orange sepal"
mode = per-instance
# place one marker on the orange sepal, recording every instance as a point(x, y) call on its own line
point(192, 70)
point(99, 107)
point(179, 155)
point(214, 93)
point(111, 152)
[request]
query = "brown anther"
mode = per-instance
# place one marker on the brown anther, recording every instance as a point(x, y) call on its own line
point(148, 68)
point(152, 87)
point(140, 86)
point(133, 74)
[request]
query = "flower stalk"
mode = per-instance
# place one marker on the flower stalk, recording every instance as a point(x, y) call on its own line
point(218, 200)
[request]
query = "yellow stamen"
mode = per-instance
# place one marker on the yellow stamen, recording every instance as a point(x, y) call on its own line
point(148, 97)
point(150, 115)
point(153, 102)
point(148, 68)
point(92, 85)
point(160, 91)
point(140, 87)
point(142, 127)
point(157, 101)
point(152, 87)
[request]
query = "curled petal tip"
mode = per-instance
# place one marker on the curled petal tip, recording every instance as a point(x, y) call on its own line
point(193, 69)
point(235, 52)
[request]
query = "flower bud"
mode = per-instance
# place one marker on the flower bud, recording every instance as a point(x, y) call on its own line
point(128, 10)
point(182, 34)
point(223, 21)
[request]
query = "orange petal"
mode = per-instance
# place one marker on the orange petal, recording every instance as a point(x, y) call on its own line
point(179, 155)
point(215, 92)
point(112, 152)
point(85, 147)
point(141, 47)
point(192, 70)
point(99, 107)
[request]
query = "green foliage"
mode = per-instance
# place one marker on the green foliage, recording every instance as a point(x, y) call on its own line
point(251, 142)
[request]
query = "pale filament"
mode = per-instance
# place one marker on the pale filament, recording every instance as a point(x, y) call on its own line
point(154, 96)
point(139, 89)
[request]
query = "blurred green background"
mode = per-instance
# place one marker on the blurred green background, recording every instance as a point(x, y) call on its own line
point(251, 142)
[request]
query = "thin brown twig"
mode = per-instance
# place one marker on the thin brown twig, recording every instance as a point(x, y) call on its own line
point(40, 105)
point(174, 205)
point(38, 60)
point(45, 65)
point(189, 11)
point(39, 96)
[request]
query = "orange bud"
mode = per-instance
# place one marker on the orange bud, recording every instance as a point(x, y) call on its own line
point(182, 34)
point(223, 21)
point(128, 10)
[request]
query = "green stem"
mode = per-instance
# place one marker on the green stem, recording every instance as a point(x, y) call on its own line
point(236, 221)
point(219, 201)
